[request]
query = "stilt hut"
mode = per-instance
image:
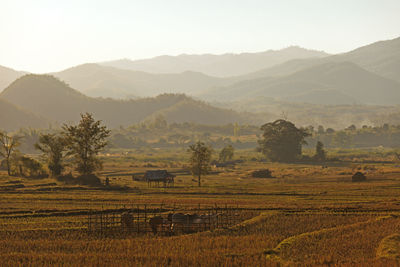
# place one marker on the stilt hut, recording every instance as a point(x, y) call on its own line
point(156, 177)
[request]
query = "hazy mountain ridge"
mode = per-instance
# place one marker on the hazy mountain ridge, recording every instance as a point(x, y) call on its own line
point(201, 112)
point(66, 104)
point(331, 80)
point(8, 75)
point(382, 58)
point(345, 78)
point(48, 97)
point(13, 117)
point(226, 65)
point(102, 81)
point(118, 83)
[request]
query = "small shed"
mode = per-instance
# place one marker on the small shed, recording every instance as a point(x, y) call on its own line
point(155, 177)
point(358, 177)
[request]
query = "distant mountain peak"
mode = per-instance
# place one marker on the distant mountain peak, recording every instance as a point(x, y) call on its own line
point(40, 82)
point(222, 65)
point(8, 75)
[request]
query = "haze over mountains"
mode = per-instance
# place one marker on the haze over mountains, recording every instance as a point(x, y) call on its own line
point(327, 83)
point(367, 75)
point(255, 82)
point(382, 58)
point(13, 117)
point(189, 74)
point(55, 101)
point(8, 75)
point(102, 81)
point(225, 65)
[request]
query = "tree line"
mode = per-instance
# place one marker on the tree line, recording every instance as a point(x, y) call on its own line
point(79, 143)
point(157, 133)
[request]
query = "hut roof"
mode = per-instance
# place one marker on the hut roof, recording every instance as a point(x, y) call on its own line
point(158, 175)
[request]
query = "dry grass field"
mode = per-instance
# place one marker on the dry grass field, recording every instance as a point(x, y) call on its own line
point(307, 214)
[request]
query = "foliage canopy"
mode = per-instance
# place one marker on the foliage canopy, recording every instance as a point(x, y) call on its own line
point(320, 153)
point(226, 153)
point(84, 141)
point(200, 158)
point(282, 141)
point(53, 146)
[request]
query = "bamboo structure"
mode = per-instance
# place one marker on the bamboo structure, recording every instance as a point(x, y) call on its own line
point(135, 219)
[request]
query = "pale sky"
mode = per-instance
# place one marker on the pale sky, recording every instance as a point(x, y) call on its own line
point(51, 35)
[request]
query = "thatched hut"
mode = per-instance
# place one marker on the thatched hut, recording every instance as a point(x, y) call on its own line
point(155, 177)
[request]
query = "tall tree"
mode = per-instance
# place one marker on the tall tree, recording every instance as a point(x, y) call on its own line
point(54, 147)
point(84, 141)
point(200, 158)
point(8, 147)
point(226, 153)
point(320, 154)
point(282, 141)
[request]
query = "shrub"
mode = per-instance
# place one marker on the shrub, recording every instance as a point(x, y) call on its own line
point(265, 173)
point(67, 178)
point(28, 167)
point(89, 179)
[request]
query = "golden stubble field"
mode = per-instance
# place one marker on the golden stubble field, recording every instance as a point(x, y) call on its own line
point(305, 215)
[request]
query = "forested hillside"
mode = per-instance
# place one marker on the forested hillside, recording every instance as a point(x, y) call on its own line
point(13, 117)
point(327, 83)
point(50, 98)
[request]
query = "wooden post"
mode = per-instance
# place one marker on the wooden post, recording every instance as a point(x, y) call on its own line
point(95, 221)
point(145, 218)
point(105, 222)
point(237, 214)
point(216, 216)
point(226, 215)
point(101, 223)
point(229, 216)
point(88, 222)
point(138, 218)
point(209, 220)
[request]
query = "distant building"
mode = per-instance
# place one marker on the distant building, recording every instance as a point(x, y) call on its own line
point(154, 178)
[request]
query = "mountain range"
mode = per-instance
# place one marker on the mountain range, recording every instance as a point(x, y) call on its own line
point(382, 58)
point(326, 83)
point(102, 81)
point(123, 94)
point(367, 75)
point(225, 65)
point(55, 101)
point(297, 79)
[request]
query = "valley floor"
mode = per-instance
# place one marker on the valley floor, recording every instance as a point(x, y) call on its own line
point(305, 215)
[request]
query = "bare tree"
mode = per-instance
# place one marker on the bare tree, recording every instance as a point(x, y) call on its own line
point(8, 146)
